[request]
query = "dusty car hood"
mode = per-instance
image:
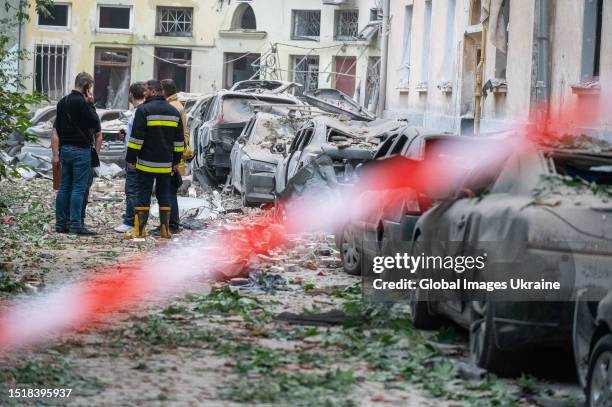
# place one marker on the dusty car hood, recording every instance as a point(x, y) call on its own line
point(260, 154)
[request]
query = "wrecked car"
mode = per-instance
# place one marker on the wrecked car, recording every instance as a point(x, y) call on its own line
point(256, 154)
point(258, 85)
point(592, 339)
point(540, 210)
point(393, 215)
point(336, 102)
point(347, 143)
point(222, 123)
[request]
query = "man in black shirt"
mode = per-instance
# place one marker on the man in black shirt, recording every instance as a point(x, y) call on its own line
point(71, 144)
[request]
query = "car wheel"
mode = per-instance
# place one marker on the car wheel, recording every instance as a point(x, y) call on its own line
point(483, 349)
point(421, 315)
point(599, 386)
point(351, 252)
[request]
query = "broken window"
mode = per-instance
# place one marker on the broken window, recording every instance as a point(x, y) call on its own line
point(112, 77)
point(115, 17)
point(306, 25)
point(59, 16)
point(173, 63)
point(173, 21)
point(426, 43)
point(347, 25)
point(405, 65)
point(591, 42)
point(50, 70)
point(306, 72)
point(345, 74)
point(244, 18)
point(239, 67)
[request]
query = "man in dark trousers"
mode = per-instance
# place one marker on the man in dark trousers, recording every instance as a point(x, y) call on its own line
point(170, 90)
point(154, 150)
point(71, 144)
point(136, 98)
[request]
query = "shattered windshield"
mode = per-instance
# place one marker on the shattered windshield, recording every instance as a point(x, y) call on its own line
point(577, 174)
point(240, 109)
point(270, 132)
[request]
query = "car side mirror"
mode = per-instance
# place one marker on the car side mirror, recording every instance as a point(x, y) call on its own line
point(241, 140)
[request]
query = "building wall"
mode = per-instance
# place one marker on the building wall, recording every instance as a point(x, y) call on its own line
point(452, 111)
point(212, 38)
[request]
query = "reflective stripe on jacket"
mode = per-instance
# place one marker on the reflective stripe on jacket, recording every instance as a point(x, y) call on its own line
point(156, 143)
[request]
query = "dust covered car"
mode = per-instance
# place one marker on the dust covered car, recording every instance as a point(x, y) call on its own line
point(545, 215)
point(222, 123)
point(257, 153)
point(346, 143)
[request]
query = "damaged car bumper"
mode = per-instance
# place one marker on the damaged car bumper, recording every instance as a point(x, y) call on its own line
point(259, 182)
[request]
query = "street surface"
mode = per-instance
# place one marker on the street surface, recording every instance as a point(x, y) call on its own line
point(294, 333)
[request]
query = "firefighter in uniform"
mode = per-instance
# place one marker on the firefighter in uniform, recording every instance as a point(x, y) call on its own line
point(155, 149)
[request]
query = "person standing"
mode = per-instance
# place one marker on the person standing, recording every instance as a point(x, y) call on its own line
point(169, 87)
point(154, 150)
point(72, 145)
point(136, 98)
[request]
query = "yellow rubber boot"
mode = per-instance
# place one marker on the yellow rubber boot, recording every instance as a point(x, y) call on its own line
point(140, 221)
point(164, 222)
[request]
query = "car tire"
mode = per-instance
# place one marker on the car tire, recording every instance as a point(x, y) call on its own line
point(421, 316)
point(484, 351)
point(350, 252)
point(598, 393)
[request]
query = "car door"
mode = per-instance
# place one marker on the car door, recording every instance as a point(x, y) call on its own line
point(282, 170)
point(237, 154)
point(204, 130)
point(295, 161)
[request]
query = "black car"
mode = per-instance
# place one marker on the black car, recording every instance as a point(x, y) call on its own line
point(222, 123)
point(394, 213)
point(543, 209)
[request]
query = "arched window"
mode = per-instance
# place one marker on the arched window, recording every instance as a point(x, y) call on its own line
point(244, 18)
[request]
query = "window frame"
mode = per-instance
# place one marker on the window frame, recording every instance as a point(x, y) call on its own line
point(158, 31)
point(294, 37)
point(337, 14)
point(114, 30)
point(66, 27)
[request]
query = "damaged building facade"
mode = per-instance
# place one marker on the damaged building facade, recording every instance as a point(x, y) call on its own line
point(536, 51)
point(205, 45)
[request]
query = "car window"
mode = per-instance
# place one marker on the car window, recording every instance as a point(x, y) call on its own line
point(241, 109)
point(508, 178)
point(308, 133)
point(211, 110)
point(48, 116)
point(296, 141)
point(110, 116)
point(385, 146)
point(398, 145)
point(248, 133)
point(274, 131)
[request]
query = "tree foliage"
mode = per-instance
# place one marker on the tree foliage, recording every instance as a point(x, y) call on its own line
point(15, 101)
